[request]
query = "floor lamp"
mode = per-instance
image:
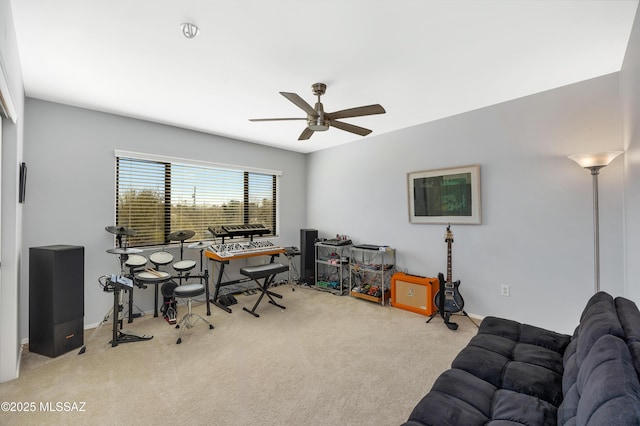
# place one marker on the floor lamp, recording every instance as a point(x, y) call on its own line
point(594, 162)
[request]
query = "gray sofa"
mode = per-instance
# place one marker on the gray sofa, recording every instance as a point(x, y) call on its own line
point(518, 374)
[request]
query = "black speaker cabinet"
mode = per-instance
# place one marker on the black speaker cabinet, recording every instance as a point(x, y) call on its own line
point(308, 238)
point(56, 299)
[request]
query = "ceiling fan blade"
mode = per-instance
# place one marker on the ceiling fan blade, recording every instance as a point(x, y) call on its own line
point(275, 119)
point(357, 112)
point(306, 134)
point(350, 128)
point(300, 103)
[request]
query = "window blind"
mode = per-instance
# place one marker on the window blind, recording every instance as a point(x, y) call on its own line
point(156, 197)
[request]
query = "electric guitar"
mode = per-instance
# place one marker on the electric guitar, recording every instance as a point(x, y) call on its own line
point(448, 299)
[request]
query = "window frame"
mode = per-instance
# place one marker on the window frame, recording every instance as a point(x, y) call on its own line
point(168, 160)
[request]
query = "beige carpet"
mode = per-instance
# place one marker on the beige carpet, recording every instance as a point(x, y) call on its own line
point(325, 360)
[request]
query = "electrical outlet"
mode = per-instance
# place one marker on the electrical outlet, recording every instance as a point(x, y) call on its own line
point(504, 290)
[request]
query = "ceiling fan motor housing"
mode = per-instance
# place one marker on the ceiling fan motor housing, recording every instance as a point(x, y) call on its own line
point(318, 123)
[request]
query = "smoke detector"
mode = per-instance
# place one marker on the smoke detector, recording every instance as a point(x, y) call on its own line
point(189, 30)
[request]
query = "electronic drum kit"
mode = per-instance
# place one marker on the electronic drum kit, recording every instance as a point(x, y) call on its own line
point(131, 257)
point(139, 274)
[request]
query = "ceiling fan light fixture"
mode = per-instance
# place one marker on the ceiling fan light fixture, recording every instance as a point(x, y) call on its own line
point(318, 124)
point(189, 30)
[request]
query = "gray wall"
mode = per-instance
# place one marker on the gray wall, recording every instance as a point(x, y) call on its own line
point(536, 233)
point(630, 93)
point(71, 186)
point(11, 211)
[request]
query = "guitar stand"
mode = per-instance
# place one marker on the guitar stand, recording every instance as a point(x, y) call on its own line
point(447, 316)
point(440, 298)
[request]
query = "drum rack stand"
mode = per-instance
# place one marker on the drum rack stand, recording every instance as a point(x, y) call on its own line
point(119, 284)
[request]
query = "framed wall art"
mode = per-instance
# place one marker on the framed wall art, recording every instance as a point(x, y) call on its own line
point(445, 195)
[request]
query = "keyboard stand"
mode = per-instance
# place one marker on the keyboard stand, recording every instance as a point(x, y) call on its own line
point(216, 289)
point(225, 261)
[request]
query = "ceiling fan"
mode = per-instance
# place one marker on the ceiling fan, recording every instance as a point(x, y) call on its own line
point(318, 120)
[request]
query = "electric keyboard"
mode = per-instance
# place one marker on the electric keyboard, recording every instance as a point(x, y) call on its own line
point(251, 248)
point(252, 229)
point(242, 230)
point(222, 254)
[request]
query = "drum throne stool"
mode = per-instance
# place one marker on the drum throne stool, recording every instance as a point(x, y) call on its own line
point(190, 319)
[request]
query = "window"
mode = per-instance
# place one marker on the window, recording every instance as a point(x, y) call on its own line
point(156, 196)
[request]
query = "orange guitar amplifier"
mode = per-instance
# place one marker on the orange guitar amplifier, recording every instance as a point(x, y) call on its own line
point(413, 293)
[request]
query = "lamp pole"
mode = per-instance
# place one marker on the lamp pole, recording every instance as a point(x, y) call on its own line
point(595, 162)
point(595, 171)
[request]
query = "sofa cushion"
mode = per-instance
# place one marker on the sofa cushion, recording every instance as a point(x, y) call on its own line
point(524, 333)
point(522, 371)
point(541, 337)
point(570, 374)
point(533, 380)
point(482, 363)
point(593, 300)
point(457, 397)
point(516, 357)
point(600, 319)
point(508, 374)
point(498, 344)
point(500, 327)
point(630, 320)
point(542, 357)
point(515, 408)
point(607, 390)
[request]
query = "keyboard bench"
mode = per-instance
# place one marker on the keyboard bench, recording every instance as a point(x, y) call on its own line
point(268, 272)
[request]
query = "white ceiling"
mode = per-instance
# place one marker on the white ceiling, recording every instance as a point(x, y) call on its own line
point(421, 59)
